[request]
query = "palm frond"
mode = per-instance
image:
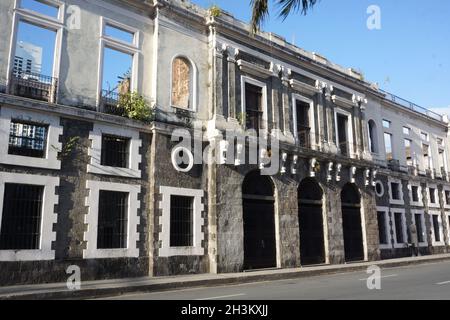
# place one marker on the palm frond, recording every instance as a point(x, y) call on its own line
point(260, 12)
point(293, 6)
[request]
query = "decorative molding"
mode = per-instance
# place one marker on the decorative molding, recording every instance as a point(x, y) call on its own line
point(342, 102)
point(254, 69)
point(352, 174)
point(330, 171)
point(338, 172)
point(305, 88)
point(294, 164)
point(284, 157)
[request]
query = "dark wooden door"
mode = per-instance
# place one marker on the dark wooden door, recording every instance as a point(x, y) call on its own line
point(353, 240)
point(259, 234)
point(312, 249)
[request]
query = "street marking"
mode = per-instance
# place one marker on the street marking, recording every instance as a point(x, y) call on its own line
point(441, 283)
point(388, 276)
point(229, 296)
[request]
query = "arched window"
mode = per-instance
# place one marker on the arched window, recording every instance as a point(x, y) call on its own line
point(373, 137)
point(182, 83)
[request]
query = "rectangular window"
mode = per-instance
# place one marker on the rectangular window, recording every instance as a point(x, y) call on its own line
point(415, 193)
point(386, 124)
point(27, 139)
point(406, 131)
point(447, 197)
point(115, 151)
point(303, 127)
point(436, 228)
point(41, 7)
point(253, 106)
point(395, 189)
point(418, 221)
point(432, 195)
point(441, 160)
point(119, 34)
point(21, 218)
point(426, 155)
point(398, 218)
point(382, 232)
point(112, 220)
point(181, 221)
point(342, 127)
point(408, 153)
point(388, 145)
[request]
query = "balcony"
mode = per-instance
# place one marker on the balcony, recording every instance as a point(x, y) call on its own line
point(109, 103)
point(344, 148)
point(394, 165)
point(304, 137)
point(253, 120)
point(33, 85)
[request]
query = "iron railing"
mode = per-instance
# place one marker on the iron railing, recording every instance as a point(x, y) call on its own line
point(411, 106)
point(114, 151)
point(110, 103)
point(304, 137)
point(181, 221)
point(33, 85)
point(344, 148)
point(253, 120)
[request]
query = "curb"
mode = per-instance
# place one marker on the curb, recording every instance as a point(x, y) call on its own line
point(145, 288)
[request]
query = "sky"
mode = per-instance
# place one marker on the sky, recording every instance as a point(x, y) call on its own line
point(409, 56)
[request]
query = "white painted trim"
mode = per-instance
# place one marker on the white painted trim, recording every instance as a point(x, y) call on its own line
point(349, 129)
point(402, 197)
point(52, 144)
point(263, 86)
point(48, 218)
point(419, 191)
point(381, 194)
point(91, 219)
point(95, 151)
point(193, 90)
point(164, 235)
point(405, 233)
point(312, 118)
point(387, 227)
point(424, 228)
point(441, 231)
point(436, 205)
point(445, 188)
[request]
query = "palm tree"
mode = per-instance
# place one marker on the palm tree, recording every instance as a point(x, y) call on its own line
point(260, 9)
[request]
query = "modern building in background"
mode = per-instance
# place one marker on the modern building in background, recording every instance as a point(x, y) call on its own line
point(82, 184)
point(28, 58)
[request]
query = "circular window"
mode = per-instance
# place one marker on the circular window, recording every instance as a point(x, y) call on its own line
point(182, 159)
point(379, 189)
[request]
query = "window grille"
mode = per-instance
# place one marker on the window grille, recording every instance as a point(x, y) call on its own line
point(399, 227)
point(181, 221)
point(21, 217)
point(382, 227)
point(115, 151)
point(27, 139)
point(112, 220)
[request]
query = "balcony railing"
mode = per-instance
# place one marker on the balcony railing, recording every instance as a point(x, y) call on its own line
point(110, 103)
point(412, 106)
point(304, 137)
point(394, 164)
point(33, 85)
point(344, 148)
point(253, 119)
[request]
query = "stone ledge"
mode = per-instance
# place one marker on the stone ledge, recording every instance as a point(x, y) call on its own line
point(105, 288)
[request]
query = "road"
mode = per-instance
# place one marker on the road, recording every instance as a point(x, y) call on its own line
point(430, 281)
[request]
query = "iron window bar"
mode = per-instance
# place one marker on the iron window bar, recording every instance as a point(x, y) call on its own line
point(115, 151)
point(21, 219)
point(112, 220)
point(33, 85)
point(181, 221)
point(27, 139)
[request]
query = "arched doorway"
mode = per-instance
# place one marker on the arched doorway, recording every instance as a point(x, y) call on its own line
point(312, 250)
point(259, 222)
point(351, 223)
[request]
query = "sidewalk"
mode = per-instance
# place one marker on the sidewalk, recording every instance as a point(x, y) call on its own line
point(103, 288)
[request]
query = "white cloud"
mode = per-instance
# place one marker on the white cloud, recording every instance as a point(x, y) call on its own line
point(445, 110)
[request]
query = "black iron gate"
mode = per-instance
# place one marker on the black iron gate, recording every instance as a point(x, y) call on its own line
point(259, 233)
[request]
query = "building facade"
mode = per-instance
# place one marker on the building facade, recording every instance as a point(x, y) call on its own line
point(84, 183)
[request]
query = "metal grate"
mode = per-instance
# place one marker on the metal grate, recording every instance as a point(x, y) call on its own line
point(437, 231)
point(21, 219)
point(382, 232)
point(399, 227)
point(33, 85)
point(27, 139)
point(115, 151)
point(181, 221)
point(112, 220)
point(418, 222)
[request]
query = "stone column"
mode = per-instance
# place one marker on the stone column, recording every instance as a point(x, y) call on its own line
point(219, 97)
point(232, 53)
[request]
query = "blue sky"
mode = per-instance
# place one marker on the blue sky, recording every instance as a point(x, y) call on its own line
point(409, 56)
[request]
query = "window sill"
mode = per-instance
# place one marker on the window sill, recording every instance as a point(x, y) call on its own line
point(26, 255)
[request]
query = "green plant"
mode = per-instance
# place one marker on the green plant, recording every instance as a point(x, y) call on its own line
point(215, 11)
point(135, 107)
point(67, 147)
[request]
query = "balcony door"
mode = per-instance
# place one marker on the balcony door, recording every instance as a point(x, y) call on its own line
point(303, 123)
point(253, 107)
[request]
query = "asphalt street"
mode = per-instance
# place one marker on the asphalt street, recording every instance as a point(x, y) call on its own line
point(430, 281)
